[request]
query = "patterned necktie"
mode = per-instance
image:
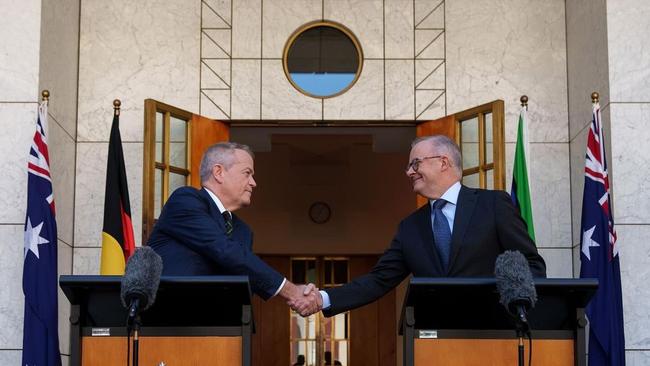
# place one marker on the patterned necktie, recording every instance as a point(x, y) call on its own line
point(227, 218)
point(441, 232)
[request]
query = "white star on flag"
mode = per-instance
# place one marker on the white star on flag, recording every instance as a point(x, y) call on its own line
point(33, 238)
point(587, 242)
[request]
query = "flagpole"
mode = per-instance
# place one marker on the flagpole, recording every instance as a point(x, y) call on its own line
point(116, 107)
point(45, 94)
point(595, 98)
point(524, 107)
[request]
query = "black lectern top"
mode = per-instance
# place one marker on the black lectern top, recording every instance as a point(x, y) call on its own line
point(181, 301)
point(473, 303)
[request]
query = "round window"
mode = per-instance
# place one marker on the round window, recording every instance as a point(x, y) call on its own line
point(322, 59)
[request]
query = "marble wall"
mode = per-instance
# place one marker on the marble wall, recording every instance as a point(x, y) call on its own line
point(628, 29)
point(502, 50)
point(607, 52)
point(130, 51)
point(19, 96)
point(403, 76)
point(58, 73)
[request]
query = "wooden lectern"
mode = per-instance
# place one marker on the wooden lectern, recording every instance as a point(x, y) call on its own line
point(459, 321)
point(202, 320)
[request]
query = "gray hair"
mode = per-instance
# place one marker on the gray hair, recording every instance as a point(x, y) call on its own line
point(446, 146)
point(222, 153)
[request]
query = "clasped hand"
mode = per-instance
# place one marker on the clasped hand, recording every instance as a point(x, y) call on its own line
point(306, 300)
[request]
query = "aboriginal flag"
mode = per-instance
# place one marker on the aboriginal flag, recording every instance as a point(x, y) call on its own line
point(117, 234)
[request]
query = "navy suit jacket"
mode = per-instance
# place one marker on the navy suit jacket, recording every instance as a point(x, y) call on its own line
point(485, 225)
point(191, 239)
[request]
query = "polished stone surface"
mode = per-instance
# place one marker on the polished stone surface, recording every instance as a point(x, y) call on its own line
point(399, 87)
point(635, 269)
point(62, 161)
point(12, 300)
point(280, 100)
point(10, 356)
point(364, 100)
point(558, 262)
point(86, 261)
point(247, 29)
point(246, 89)
point(587, 64)
point(550, 195)
point(398, 28)
point(281, 18)
point(630, 161)
point(156, 46)
point(628, 22)
point(59, 60)
point(20, 119)
point(64, 264)
point(503, 49)
point(365, 20)
point(19, 50)
point(637, 358)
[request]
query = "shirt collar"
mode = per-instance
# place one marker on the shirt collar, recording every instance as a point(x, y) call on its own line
point(216, 200)
point(451, 195)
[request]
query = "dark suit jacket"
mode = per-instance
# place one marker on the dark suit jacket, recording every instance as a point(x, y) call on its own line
point(190, 237)
point(485, 225)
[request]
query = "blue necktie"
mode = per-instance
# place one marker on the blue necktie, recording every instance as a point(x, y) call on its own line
point(441, 232)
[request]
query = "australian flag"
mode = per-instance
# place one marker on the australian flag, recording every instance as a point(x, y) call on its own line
point(599, 258)
point(40, 332)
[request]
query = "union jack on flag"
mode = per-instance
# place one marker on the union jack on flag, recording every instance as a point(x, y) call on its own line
point(599, 257)
point(40, 332)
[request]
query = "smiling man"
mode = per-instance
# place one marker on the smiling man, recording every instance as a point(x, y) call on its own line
point(459, 233)
point(198, 234)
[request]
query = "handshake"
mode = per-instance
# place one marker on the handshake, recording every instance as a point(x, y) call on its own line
point(303, 299)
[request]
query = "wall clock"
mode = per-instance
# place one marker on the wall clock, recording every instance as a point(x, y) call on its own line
point(320, 212)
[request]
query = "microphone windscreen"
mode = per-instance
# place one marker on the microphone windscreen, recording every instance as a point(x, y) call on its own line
point(514, 280)
point(141, 278)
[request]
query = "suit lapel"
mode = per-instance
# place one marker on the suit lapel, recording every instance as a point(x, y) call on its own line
point(426, 234)
point(464, 210)
point(213, 209)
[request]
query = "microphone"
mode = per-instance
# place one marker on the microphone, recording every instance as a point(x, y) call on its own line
point(515, 285)
point(140, 281)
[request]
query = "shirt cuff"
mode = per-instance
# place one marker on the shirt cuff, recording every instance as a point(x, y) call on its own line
point(284, 280)
point(326, 299)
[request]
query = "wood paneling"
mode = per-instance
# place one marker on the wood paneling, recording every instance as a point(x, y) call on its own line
point(178, 351)
point(491, 352)
point(373, 327)
point(271, 338)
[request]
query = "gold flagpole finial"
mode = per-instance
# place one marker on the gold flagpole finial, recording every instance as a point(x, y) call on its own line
point(116, 106)
point(524, 101)
point(46, 95)
point(595, 97)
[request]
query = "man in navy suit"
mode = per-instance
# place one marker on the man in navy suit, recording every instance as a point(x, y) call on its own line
point(459, 233)
point(197, 233)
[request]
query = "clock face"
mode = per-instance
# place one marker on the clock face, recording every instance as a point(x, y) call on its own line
point(320, 212)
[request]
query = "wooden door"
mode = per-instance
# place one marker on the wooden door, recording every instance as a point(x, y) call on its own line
point(372, 328)
point(479, 132)
point(174, 141)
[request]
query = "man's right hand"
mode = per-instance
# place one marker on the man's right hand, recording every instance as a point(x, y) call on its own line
point(304, 299)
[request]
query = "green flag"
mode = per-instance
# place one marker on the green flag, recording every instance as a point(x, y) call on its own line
point(520, 190)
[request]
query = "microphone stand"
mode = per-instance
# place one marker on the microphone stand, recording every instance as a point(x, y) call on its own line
point(133, 325)
point(136, 340)
point(522, 328)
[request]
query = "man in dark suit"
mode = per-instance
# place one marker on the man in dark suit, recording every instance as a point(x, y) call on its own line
point(459, 233)
point(197, 234)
